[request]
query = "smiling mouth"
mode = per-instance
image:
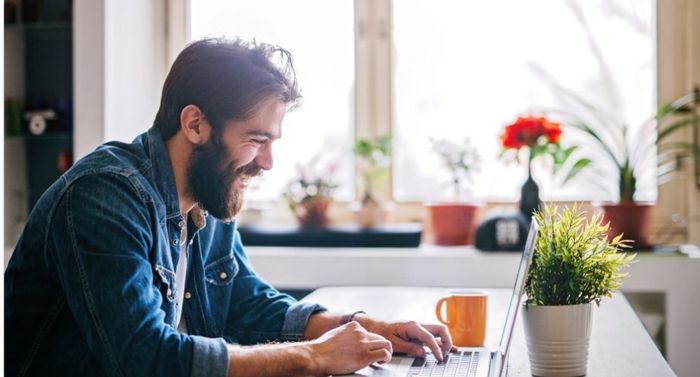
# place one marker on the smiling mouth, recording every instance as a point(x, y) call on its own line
point(242, 182)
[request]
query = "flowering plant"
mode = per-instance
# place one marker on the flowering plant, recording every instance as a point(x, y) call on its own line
point(310, 193)
point(541, 136)
point(461, 160)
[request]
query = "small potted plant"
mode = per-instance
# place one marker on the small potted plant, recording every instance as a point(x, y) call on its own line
point(373, 158)
point(453, 222)
point(310, 194)
point(574, 266)
point(627, 159)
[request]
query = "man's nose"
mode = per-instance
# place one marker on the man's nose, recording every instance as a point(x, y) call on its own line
point(264, 157)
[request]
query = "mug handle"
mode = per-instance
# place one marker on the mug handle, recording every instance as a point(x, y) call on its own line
point(438, 310)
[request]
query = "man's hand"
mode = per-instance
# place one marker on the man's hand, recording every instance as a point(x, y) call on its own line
point(348, 348)
point(410, 337)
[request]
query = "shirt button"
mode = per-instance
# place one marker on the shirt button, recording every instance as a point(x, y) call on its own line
point(222, 276)
point(181, 224)
point(188, 295)
point(175, 241)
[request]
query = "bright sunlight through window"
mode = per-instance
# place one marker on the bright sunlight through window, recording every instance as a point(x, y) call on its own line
point(319, 34)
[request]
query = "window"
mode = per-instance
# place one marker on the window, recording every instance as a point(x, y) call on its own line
point(456, 69)
point(323, 52)
point(465, 68)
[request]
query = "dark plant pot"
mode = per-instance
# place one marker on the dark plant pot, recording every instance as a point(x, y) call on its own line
point(632, 220)
point(313, 213)
point(453, 223)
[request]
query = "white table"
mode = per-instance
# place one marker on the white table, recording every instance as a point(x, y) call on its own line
point(619, 344)
point(676, 276)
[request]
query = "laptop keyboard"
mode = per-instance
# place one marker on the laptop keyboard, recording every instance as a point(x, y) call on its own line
point(457, 364)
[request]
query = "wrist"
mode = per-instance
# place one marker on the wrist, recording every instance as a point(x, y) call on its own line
point(288, 359)
point(368, 323)
point(349, 317)
point(310, 358)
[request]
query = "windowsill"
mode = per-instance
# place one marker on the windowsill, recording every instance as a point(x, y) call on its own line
point(340, 213)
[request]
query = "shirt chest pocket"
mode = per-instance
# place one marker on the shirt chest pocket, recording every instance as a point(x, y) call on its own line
point(219, 276)
point(222, 271)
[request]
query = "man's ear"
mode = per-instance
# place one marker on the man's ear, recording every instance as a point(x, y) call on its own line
point(194, 125)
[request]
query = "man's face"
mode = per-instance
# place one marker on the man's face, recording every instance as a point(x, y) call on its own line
point(221, 168)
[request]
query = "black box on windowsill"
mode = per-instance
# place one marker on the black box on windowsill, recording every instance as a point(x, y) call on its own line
point(393, 235)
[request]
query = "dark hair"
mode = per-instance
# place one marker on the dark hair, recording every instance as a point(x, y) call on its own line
point(226, 79)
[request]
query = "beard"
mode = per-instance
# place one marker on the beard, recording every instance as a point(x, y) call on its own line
point(211, 178)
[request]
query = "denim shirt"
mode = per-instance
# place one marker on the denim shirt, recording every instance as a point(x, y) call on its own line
point(91, 290)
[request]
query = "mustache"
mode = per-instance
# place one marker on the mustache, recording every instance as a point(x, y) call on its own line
point(250, 170)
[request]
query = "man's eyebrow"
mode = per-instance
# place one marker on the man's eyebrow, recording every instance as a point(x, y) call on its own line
point(261, 133)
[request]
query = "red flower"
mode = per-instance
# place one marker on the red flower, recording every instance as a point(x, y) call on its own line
point(526, 131)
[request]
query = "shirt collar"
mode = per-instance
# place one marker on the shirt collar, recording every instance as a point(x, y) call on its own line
point(165, 180)
point(163, 172)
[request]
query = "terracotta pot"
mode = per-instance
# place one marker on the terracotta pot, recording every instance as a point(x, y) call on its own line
point(632, 220)
point(452, 223)
point(313, 213)
point(369, 216)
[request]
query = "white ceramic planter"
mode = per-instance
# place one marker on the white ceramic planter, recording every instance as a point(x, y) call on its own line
point(558, 338)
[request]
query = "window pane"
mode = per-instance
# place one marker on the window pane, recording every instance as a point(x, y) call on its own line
point(323, 52)
point(468, 68)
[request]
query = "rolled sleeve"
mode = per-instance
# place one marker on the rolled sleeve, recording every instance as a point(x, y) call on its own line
point(210, 357)
point(296, 318)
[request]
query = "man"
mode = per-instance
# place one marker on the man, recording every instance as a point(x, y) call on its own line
point(130, 264)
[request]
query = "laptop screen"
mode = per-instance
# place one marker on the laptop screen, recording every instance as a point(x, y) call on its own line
point(518, 290)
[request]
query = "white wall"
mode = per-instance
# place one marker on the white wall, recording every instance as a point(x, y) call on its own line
point(120, 64)
point(88, 75)
point(15, 172)
point(679, 71)
point(135, 60)
point(14, 62)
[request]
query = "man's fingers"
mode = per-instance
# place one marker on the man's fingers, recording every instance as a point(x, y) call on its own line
point(410, 348)
point(374, 345)
point(443, 347)
point(427, 339)
point(379, 356)
point(374, 336)
point(441, 332)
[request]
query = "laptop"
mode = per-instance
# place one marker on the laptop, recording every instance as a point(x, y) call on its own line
point(467, 362)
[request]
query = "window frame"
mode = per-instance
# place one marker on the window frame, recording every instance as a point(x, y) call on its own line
point(677, 52)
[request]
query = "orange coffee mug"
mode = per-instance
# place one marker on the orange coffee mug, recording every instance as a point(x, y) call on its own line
point(466, 316)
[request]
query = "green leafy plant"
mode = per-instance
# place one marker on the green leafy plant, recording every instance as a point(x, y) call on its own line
point(628, 157)
point(461, 160)
point(374, 158)
point(574, 262)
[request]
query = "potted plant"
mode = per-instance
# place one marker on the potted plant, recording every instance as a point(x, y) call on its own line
point(453, 222)
point(310, 194)
point(373, 158)
point(537, 136)
point(574, 265)
point(627, 158)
